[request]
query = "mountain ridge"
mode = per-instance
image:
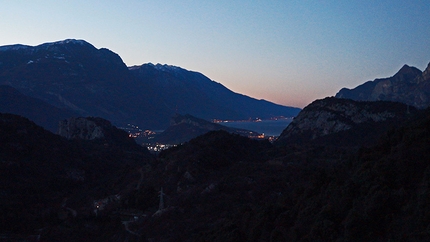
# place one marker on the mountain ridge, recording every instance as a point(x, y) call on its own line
point(75, 75)
point(409, 85)
point(215, 96)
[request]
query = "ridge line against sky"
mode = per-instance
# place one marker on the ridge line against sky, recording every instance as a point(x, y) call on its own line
point(288, 52)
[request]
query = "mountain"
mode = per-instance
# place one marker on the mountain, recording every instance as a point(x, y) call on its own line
point(42, 113)
point(74, 75)
point(409, 85)
point(186, 127)
point(69, 74)
point(344, 122)
point(191, 92)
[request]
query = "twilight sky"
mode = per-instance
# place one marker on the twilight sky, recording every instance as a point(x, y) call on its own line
point(286, 51)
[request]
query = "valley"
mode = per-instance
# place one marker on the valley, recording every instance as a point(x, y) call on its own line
point(214, 165)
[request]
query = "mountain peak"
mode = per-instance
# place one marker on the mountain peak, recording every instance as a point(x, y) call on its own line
point(165, 67)
point(71, 41)
point(61, 42)
point(67, 42)
point(410, 71)
point(405, 67)
point(409, 85)
point(74, 41)
point(158, 67)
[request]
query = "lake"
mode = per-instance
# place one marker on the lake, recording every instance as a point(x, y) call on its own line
point(268, 127)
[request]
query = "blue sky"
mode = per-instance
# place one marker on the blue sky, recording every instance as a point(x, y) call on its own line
point(286, 51)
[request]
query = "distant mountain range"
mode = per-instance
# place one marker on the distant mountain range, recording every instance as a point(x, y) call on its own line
point(409, 85)
point(73, 75)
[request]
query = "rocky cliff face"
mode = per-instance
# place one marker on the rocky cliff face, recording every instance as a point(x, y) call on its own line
point(97, 129)
point(332, 115)
point(409, 85)
point(82, 128)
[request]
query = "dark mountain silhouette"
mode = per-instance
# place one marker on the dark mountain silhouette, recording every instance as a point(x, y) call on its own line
point(70, 74)
point(186, 127)
point(217, 187)
point(75, 75)
point(191, 92)
point(225, 187)
point(48, 181)
point(42, 113)
point(409, 85)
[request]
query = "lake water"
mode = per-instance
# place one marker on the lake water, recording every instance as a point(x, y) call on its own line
point(268, 127)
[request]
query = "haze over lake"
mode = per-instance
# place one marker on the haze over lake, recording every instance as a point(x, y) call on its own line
point(268, 127)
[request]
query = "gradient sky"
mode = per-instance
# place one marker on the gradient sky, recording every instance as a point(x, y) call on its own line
point(286, 51)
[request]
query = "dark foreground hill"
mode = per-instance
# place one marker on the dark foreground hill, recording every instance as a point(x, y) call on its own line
point(74, 75)
point(313, 193)
point(48, 184)
point(216, 187)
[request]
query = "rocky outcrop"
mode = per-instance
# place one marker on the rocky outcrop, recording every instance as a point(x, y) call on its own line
point(333, 115)
point(409, 85)
point(83, 128)
point(98, 130)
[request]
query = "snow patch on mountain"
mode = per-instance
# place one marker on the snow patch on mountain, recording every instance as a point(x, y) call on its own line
point(45, 45)
point(13, 47)
point(166, 68)
point(67, 41)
